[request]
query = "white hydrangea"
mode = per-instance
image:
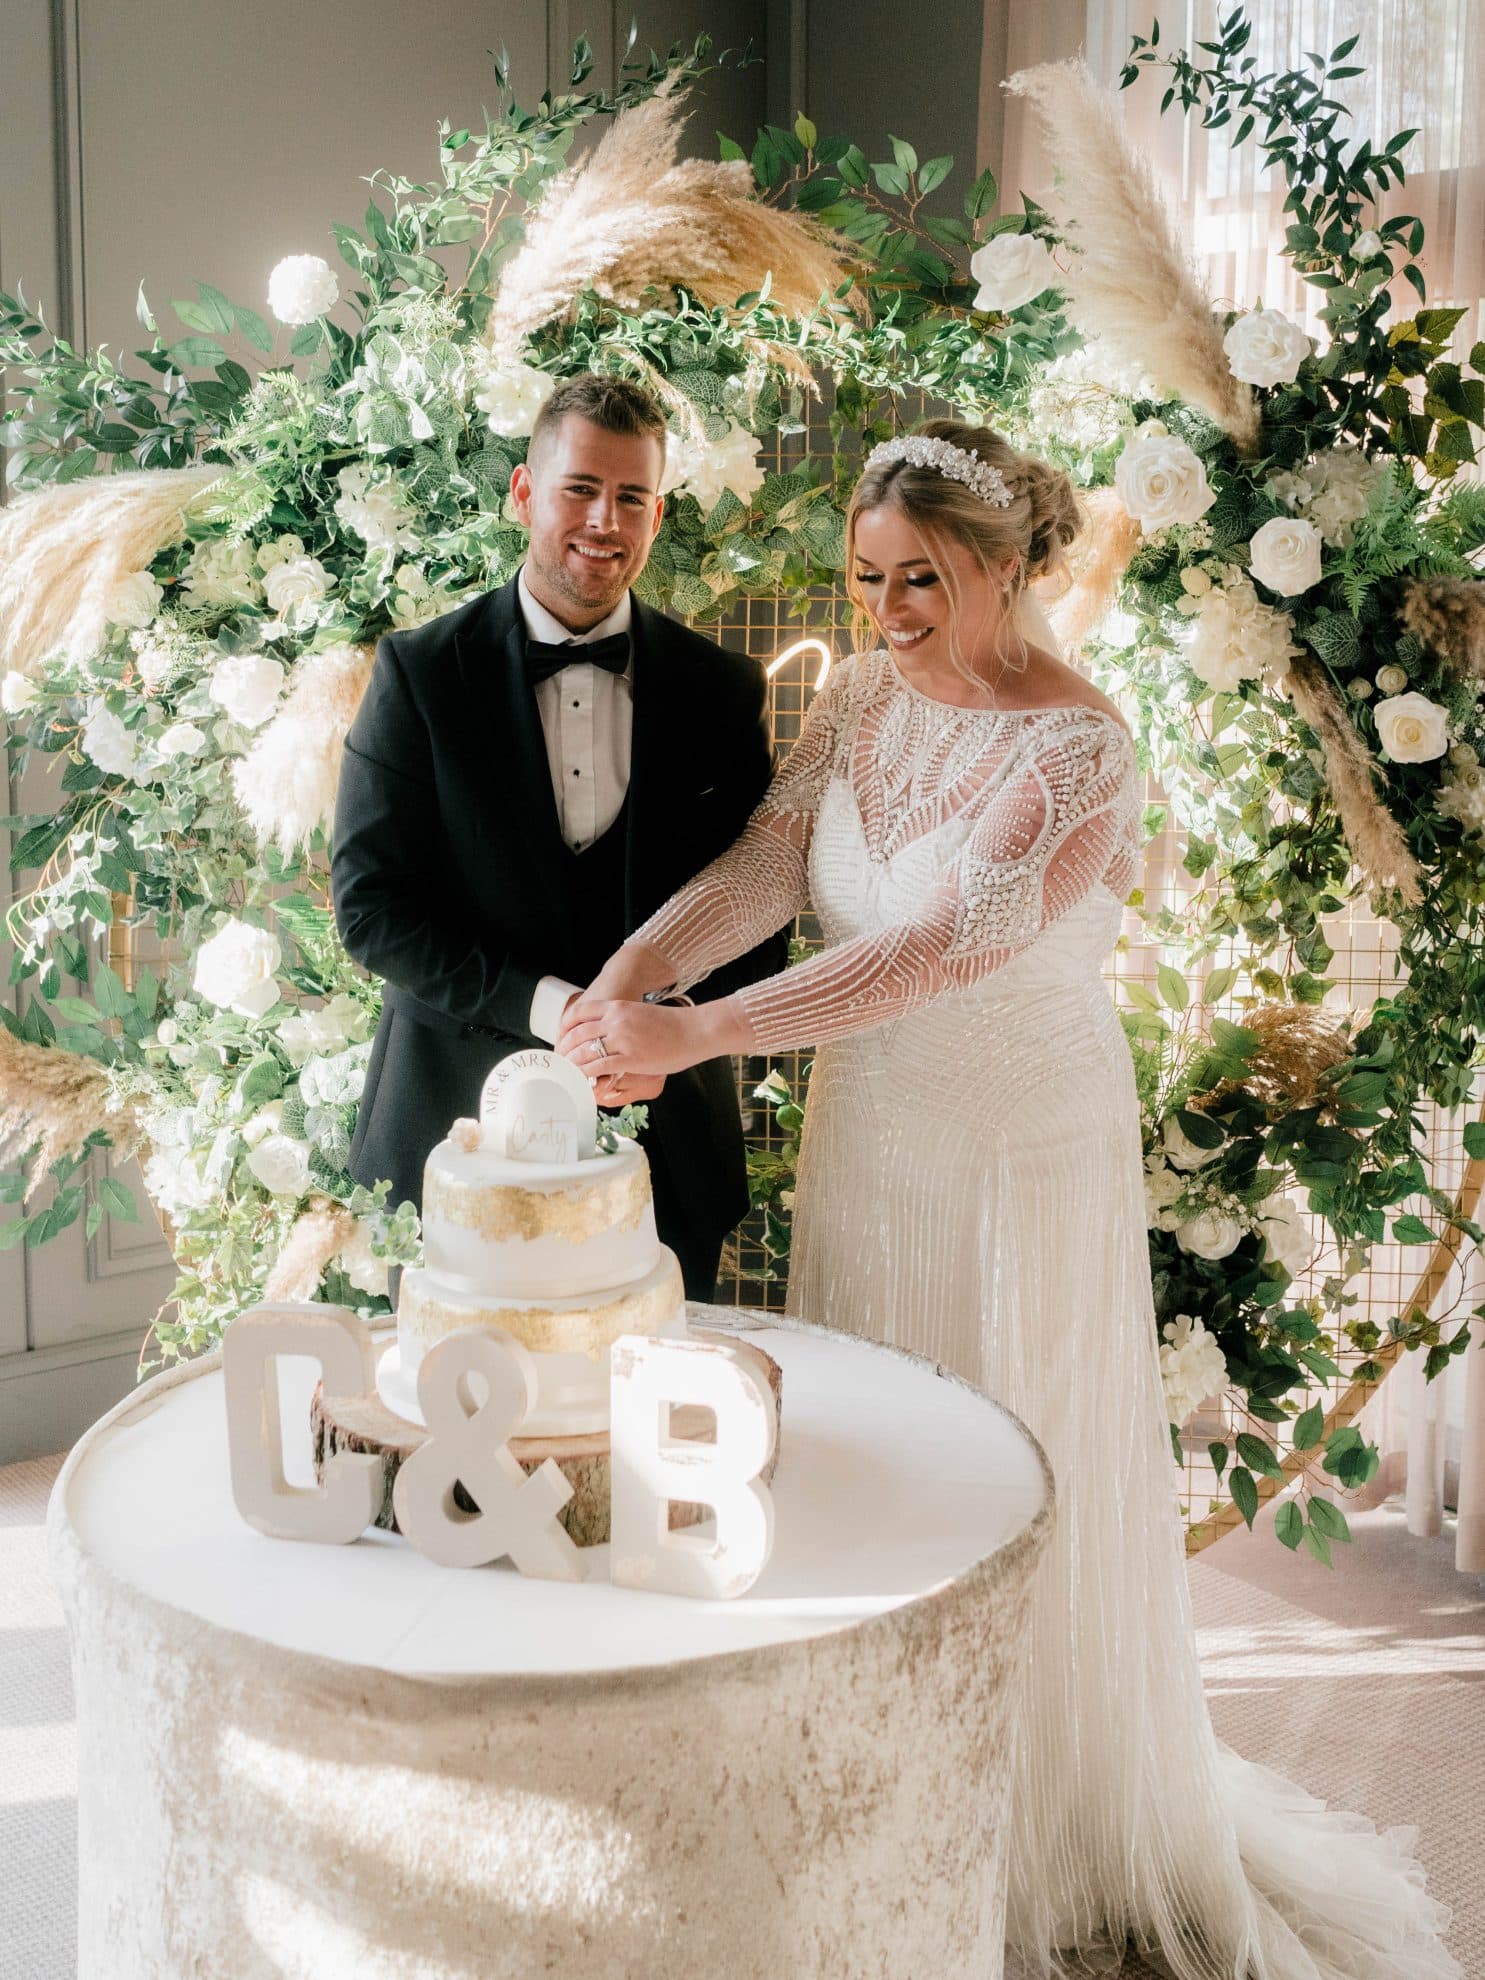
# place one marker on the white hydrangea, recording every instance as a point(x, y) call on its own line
point(335, 1081)
point(1333, 489)
point(1192, 1366)
point(237, 970)
point(108, 742)
point(706, 468)
point(247, 686)
point(301, 288)
point(133, 601)
point(511, 395)
point(1233, 635)
point(376, 510)
point(175, 1185)
point(220, 572)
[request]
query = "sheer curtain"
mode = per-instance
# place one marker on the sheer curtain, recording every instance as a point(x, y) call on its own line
point(1424, 69)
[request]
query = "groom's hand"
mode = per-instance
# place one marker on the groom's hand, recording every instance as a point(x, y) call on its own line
point(627, 1091)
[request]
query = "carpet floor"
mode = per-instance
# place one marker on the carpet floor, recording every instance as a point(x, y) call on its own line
point(1391, 1720)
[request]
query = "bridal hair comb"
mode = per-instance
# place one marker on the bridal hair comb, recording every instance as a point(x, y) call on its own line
point(945, 458)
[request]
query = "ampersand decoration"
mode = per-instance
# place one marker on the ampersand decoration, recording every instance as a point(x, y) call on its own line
point(467, 1444)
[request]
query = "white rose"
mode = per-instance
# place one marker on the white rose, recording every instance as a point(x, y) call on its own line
point(1367, 246)
point(108, 742)
point(220, 572)
point(302, 287)
point(134, 600)
point(237, 969)
point(1162, 1188)
point(1285, 555)
point(281, 1164)
point(18, 693)
point(1360, 688)
point(247, 686)
point(1160, 481)
point(511, 395)
point(1265, 348)
point(298, 581)
point(1285, 1230)
point(181, 739)
point(279, 550)
point(1011, 269)
point(362, 1267)
point(1211, 1233)
point(1392, 679)
point(1412, 728)
point(1464, 755)
point(167, 1031)
point(1183, 1153)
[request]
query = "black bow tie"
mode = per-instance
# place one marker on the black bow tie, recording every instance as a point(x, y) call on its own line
point(543, 659)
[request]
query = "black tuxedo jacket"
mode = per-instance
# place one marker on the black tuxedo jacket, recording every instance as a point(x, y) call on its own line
point(451, 880)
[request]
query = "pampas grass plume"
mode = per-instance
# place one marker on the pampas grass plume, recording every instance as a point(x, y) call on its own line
point(56, 1098)
point(1448, 615)
point(62, 551)
point(1373, 834)
point(1130, 282)
point(632, 219)
point(286, 783)
point(1095, 565)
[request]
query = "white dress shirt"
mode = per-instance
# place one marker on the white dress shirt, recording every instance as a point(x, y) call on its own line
point(587, 718)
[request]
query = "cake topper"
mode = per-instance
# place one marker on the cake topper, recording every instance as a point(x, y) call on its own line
point(537, 1107)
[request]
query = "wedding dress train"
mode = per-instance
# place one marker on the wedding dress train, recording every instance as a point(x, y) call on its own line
point(970, 1187)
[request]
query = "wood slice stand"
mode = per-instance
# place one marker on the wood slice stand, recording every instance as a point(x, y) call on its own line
point(364, 1423)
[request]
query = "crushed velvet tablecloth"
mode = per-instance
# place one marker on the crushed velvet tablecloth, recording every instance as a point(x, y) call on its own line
point(302, 1760)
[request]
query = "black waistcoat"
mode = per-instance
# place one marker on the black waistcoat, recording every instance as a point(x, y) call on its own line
point(595, 890)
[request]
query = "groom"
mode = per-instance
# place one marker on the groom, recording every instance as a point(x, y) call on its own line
point(527, 780)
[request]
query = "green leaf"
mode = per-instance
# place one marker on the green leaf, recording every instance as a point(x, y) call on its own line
point(1474, 1139)
point(1218, 984)
point(903, 152)
point(76, 1011)
point(805, 131)
point(933, 173)
point(981, 196)
point(114, 1000)
point(1173, 987)
point(254, 328)
point(1218, 1454)
point(306, 339)
point(1289, 1524)
point(1309, 1427)
point(891, 179)
point(1244, 1494)
point(1318, 1545)
point(1258, 1455)
point(729, 148)
point(1411, 1230)
point(117, 1200)
point(1329, 1520)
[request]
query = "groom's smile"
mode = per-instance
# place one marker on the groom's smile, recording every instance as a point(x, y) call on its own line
point(590, 499)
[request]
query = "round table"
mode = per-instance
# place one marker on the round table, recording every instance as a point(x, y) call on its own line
point(307, 1760)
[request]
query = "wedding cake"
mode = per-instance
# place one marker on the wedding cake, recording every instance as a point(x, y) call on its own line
point(530, 1226)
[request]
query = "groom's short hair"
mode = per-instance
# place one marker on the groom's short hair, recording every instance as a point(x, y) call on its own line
point(618, 405)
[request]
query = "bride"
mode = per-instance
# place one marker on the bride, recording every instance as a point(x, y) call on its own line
point(962, 810)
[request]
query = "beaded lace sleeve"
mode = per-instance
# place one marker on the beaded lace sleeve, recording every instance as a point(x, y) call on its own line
point(762, 880)
point(1061, 819)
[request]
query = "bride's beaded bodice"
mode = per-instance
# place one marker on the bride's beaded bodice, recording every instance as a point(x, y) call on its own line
point(937, 843)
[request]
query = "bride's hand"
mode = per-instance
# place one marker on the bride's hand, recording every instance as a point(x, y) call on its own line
point(626, 1041)
point(625, 977)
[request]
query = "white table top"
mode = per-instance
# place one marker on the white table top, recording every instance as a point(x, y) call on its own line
point(891, 1481)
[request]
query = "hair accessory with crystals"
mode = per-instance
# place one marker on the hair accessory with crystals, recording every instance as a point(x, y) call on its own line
point(956, 462)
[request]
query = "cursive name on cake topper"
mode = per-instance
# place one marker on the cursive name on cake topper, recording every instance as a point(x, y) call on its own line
point(537, 1107)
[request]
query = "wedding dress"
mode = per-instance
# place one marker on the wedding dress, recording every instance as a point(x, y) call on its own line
point(970, 1187)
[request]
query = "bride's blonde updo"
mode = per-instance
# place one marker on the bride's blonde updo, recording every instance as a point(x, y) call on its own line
point(1029, 535)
